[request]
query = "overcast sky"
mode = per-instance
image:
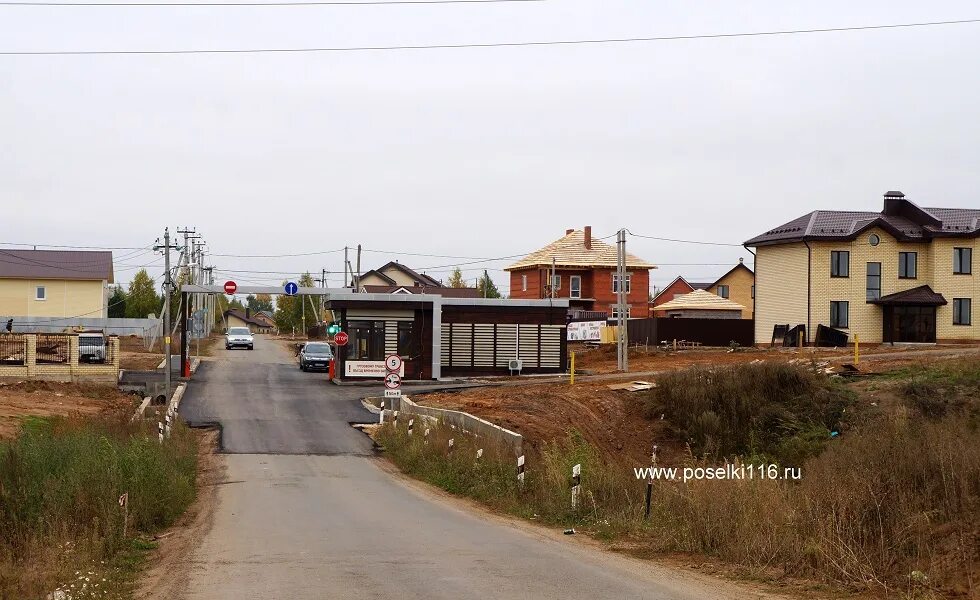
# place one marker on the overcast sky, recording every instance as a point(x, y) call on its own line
point(477, 152)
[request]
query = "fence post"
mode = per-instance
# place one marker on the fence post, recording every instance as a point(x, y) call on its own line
point(857, 350)
point(571, 379)
point(653, 463)
point(30, 355)
point(576, 484)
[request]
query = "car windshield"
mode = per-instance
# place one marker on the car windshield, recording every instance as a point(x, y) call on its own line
point(318, 349)
point(239, 331)
point(90, 340)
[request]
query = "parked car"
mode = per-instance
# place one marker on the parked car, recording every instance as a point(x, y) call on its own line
point(91, 347)
point(239, 337)
point(315, 355)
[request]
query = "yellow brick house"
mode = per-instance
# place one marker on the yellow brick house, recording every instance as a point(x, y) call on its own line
point(54, 283)
point(902, 275)
point(737, 285)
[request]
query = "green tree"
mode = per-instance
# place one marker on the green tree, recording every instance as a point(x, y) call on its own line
point(117, 303)
point(255, 303)
point(142, 298)
point(290, 309)
point(456, 279)
point(487, 288)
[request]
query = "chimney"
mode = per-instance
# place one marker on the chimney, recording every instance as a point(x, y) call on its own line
point(893, 202)
point(588, 237)
point(568, 231)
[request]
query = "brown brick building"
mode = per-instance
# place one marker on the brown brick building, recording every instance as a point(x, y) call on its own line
point(584, 270)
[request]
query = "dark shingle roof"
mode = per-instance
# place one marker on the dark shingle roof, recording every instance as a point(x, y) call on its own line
point(56, 264)
point(922, 295)
point(902, 218)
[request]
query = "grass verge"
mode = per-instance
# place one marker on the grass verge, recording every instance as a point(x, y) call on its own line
point(60, 482)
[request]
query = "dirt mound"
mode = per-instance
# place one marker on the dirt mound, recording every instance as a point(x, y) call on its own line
point(46, 399)
point(611, 420)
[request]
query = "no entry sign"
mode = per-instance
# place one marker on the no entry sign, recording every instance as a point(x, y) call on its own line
point(340, 339)
point(230, 287)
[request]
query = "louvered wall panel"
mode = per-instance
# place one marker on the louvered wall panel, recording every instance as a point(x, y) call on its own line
point(444, 354)
point(462, 350)
point(483, 344)
point(529, 346)
point(391, 337)
point(551, 338)
point(506, 344)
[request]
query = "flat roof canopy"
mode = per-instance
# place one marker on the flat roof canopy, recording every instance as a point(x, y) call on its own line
point(347, 295)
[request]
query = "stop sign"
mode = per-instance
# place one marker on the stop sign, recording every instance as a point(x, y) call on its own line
point(230, 287)
point(340, 339)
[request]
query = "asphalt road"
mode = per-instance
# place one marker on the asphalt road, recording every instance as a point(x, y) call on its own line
point(308, 512)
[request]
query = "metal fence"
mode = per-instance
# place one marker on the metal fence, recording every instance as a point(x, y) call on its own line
point(52, 348)
point(13, 350)
point(707, 332)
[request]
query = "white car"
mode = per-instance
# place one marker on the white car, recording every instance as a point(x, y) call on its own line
point(239, 337)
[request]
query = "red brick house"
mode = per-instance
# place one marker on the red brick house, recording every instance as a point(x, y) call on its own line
point(584, 271)
point(677, 287)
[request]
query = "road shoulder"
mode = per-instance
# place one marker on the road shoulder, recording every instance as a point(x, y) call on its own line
point(166, 576)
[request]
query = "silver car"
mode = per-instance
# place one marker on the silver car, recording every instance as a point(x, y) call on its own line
point(239, 337)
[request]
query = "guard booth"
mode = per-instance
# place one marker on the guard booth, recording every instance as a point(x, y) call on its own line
point(439, 337)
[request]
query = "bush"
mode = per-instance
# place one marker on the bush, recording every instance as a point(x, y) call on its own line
point(60, 482)
point(770, 410)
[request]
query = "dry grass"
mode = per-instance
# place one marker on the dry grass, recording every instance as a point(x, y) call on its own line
point(891, 507)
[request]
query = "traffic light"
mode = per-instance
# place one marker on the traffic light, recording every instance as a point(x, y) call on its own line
point(333, 328)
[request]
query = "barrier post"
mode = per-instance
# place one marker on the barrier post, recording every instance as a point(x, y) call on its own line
point(571, 380)
point(857, 349)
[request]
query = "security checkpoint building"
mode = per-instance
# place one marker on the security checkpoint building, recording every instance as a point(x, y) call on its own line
point(436, 336)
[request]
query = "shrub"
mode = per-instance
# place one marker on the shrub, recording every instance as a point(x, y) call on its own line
point(765, 409)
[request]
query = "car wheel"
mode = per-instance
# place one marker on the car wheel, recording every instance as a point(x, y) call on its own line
point(302, 368)
point(251, 347)
point(227, 347)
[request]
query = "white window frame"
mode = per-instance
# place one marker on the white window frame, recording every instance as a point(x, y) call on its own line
point(40, 293)
point(614, 311)
point(556, 282)
point(524, 282)
point(572, 291)
point(727, 289)
point(629, 283)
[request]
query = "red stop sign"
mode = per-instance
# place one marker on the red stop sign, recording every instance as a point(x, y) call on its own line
point(340, 339)
point(230, 287)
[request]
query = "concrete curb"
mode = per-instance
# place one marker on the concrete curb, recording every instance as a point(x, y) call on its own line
point(454, 418)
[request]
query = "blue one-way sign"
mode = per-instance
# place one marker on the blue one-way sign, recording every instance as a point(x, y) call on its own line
point(291, 288)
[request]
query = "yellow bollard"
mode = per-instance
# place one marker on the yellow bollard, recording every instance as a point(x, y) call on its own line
point(571, 380)
point(857, 349)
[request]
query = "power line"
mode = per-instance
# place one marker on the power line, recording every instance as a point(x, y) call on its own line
point(698, 242)
point(664, 38)
point(42, 246)
point(326, 3)
point(277, 255)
